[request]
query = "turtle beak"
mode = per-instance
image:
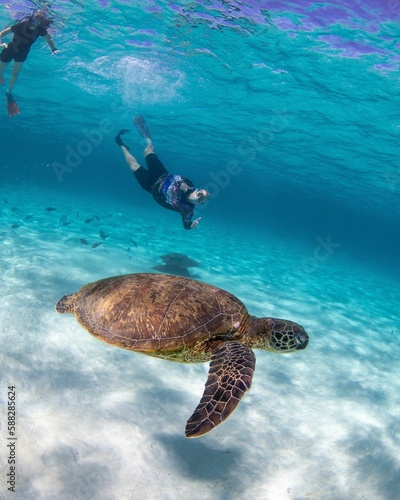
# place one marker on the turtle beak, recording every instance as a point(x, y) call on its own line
point(301, 339)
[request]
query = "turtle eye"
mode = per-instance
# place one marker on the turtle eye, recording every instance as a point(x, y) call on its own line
point(301, 340)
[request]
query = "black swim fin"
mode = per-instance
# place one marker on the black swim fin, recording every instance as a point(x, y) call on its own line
point(118, 139)
point(142, 127)
point(12, 107)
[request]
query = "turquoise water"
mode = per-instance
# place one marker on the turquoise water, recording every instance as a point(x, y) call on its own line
point(286, 112)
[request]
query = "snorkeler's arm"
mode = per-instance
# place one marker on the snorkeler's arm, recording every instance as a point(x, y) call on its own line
point(5, 32)
point(187, 214)
point(186, 185)
point(195, 223)
point(50, 41)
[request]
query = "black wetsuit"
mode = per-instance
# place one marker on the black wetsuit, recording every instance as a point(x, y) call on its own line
point(165, 188)
point(25, 35)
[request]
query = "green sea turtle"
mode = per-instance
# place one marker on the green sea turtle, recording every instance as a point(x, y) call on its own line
point(184, 320)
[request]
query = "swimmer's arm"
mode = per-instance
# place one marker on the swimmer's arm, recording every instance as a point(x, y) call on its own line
point(50, 41)
point(184, 187)
point(195, 223)
point(187, 215)
point(5, 32)
point(187, 219)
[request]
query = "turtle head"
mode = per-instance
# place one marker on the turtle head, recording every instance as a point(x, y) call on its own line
point(66, 304)
point(281, 335)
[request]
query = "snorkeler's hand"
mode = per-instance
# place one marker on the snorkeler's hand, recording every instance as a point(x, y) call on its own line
point(3, 45)
point(195, 223)
point(54, 52)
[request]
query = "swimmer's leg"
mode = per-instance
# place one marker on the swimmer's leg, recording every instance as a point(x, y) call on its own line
point(130, 159)
point(3, 66)
point(14, 75)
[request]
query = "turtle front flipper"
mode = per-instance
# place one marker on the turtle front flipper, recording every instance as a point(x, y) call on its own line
point(229, 377)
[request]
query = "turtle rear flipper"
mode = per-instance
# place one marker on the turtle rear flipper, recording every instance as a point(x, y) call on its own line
point(66, 304)
point(229, 377)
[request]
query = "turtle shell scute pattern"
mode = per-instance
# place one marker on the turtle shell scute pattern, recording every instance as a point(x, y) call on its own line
point(155, 312)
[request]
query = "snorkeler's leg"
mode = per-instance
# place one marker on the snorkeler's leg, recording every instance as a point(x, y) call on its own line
point(149, 147)
point(14, 75)
point(130, 159)
point(3, 66)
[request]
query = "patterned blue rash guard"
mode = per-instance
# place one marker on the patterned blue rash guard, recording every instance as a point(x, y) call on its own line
point(166, 192)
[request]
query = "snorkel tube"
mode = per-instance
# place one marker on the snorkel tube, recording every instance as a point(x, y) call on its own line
point(40, 19)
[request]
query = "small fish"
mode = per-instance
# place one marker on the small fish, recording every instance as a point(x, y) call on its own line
point(15, 226)
point(83, 241)
point(50, 209)
point(88, 220)
point(5, 201)
point(66, 223)
point(95, 245)
point(103, 235)
point(134, 243)
point(28, 217)
point(96, 217)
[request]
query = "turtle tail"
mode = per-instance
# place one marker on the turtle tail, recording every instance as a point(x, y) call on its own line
point(66, 304)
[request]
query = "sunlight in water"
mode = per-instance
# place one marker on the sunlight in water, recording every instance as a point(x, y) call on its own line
point(285, 113)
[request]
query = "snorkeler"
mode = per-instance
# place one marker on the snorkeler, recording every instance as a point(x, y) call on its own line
point(170, 191)
point(25, 35)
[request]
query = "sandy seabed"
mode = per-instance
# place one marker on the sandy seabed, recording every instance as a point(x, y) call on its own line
point(98, 422)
